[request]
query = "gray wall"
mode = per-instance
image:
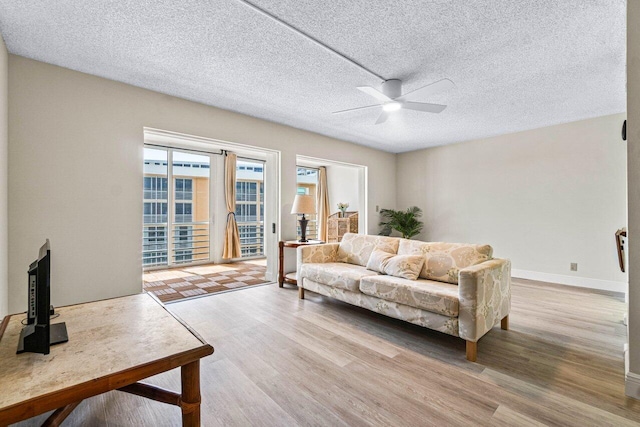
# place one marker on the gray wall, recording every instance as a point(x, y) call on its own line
point(543, 198)
point(4, 190)
point(75, 173)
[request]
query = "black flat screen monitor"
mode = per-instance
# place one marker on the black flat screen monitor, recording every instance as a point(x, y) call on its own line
point(39, 334)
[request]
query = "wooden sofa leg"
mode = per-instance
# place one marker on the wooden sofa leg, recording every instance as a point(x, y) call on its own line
point(300, 292)
point(504, 323)
point(472, 351)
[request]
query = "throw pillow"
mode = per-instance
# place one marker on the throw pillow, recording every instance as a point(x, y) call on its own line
point(377, 259)
point(405, 266)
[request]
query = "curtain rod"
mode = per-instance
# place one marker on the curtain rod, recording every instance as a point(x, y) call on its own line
point(221, 153)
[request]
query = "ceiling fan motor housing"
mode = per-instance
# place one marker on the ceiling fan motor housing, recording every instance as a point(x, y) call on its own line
point(392, 88)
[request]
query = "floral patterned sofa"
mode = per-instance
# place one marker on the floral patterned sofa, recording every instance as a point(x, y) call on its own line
point(455, 288)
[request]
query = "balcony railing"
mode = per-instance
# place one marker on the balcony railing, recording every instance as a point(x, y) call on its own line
point(251, 238)
point(154, 244)
point(190, 243)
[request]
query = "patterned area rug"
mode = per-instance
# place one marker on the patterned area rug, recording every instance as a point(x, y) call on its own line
point(189, 282)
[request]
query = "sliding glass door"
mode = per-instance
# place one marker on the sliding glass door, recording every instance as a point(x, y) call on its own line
point(250, 206)
point(176, 197)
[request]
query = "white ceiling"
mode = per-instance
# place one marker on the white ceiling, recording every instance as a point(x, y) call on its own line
point(517, 65)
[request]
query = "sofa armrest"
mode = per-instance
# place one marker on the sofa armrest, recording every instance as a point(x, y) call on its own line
point(325, 252)
point(485, 297)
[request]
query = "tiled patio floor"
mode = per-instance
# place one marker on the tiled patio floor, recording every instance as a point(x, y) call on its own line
point(188, 282)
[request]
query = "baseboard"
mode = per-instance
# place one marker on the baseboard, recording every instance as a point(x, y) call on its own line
point(583, 282)
point(631, 380)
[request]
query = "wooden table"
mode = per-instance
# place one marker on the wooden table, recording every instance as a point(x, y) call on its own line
point(112, 344)
point(291, 276)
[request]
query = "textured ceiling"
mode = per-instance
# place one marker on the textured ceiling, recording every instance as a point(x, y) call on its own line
point(517, 65)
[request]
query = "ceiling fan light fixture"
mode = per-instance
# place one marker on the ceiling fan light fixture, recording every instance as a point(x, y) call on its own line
point(391, 98)
point(391, 106)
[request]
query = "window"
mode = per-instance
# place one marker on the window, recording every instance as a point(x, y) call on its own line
point(155, 188)
point(307, 184)
point(155, 212)
point(246, 213)
point(184, 189)
point(183, 212)
point(155, 200)
point(246, 191)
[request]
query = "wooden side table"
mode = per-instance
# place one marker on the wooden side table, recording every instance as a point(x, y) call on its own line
point(291, 276)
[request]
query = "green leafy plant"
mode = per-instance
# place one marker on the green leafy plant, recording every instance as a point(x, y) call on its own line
point(405, 222)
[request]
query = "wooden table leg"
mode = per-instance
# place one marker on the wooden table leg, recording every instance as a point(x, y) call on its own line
point(281, 265)
point(190, 401)
point(60, 415)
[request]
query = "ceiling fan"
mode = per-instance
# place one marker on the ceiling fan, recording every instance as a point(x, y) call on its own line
point(391, 98)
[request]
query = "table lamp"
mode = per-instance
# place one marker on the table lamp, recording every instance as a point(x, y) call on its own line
point(303, 204)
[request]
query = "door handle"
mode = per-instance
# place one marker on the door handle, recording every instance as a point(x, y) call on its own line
point(620, 234)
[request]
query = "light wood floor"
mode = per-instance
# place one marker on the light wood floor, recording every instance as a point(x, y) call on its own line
point(280, 361)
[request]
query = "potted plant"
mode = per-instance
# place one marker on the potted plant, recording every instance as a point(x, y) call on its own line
point(405, 222)
point(342, 207)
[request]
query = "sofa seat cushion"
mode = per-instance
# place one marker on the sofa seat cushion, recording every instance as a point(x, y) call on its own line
point(429, 295)
point(443, 261)
point(335, 274)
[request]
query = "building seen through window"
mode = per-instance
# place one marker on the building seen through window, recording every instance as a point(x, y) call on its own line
point(250, 206)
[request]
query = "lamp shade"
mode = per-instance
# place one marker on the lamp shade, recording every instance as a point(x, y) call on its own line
point(303, 204)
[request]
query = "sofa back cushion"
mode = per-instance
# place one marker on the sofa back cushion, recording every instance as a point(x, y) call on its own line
point(405, 266)
point(443, 261)
point(356, 248)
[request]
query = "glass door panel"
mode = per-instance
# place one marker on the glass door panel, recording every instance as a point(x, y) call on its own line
point(190, 174)
point(155, 208)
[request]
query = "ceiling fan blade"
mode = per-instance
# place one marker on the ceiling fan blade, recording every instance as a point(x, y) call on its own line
point(384, 115)
point(355, 109)
point(375, 93)
point(423, 106)
point(425, 91)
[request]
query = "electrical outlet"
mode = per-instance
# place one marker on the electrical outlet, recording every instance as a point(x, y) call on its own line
point(377, 208)
point(574, 266)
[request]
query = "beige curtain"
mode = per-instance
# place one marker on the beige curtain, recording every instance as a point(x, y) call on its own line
point(231, 236)
point(322, 203)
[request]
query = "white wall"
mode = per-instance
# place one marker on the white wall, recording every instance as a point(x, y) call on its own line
point(633, 169)
point(75, 153)
point(543, 198)
point(342, 182)
point(4, 191)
